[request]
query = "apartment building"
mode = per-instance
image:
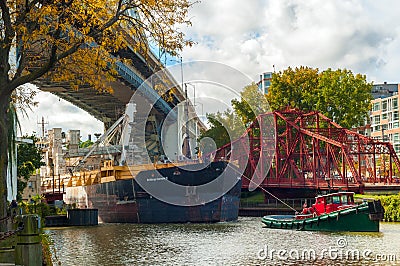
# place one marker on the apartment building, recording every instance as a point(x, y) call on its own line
point(265, 82)
point(384, 115)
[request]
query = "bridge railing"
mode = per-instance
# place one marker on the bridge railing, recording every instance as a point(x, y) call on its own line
point(274, 203)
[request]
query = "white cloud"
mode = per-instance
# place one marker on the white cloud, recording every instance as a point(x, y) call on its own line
point(254, 35)
point(58, 113)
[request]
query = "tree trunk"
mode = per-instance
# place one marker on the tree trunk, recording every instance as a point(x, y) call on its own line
point(4, 141)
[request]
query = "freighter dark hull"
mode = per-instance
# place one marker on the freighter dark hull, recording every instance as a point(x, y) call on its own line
point(126, 201)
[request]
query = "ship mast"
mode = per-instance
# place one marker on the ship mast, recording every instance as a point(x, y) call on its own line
point(186, 141)
point(42, 124)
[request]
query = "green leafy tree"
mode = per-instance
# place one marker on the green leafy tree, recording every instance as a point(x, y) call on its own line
point(28, 160)
point(85, 144)
point(252, 103)
point(344, 97)
point(223, 127)
point(338, 94)
point(296, 88)
point(391, 204)
point(230, 125)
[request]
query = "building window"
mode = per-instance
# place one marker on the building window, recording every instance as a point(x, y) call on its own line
point(395, 124)
point(377, 119)
point(396, 115)
point(384, 116)
point(385, 127)
point(396, 137)
point(394, 102)
point(267, 75)
point(385, 137)
point(397, 148)
point(384, 106)
point(377, 106)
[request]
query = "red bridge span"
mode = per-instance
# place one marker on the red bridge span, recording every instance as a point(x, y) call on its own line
point(298, 150)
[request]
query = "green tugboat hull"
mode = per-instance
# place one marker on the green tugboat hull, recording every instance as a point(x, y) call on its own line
point(355, 219)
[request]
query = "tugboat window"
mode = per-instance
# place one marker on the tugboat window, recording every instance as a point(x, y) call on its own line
point(336, 199)
point(328, 200)
point(344, 199)
point(350, 199)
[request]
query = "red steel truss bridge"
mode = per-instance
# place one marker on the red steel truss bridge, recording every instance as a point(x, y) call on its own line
point(295, 149)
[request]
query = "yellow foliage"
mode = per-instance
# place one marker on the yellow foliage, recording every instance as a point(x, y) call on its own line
point(77, 41)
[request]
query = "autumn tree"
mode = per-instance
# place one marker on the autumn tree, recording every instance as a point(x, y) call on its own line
point(339, 94)
point(295, 88)
point(344, 97)
point(77, 41)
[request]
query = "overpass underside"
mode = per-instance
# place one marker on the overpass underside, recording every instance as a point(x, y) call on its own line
point(107, 107)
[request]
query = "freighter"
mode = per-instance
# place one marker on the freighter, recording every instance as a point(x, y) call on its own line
point(132, 186)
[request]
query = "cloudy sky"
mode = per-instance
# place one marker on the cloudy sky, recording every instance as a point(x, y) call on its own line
point(253, 36)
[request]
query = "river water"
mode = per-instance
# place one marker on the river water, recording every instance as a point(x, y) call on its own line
point(245, 242)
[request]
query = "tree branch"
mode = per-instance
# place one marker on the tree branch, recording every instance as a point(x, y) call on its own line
point(38, 73)
point(5, 13)
point(7, 41)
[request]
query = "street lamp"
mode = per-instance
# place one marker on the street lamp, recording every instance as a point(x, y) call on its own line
point(194, 98)
point(195, 107)
point(194, 92)
point(181, 62)
point(186, 141)
point(202, 109)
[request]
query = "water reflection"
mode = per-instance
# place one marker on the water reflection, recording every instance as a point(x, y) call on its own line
point(245, 242)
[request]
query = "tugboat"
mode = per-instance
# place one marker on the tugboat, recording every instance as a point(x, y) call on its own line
point(334, 212)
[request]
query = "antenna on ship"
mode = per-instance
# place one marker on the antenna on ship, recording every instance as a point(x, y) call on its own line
point(43, 123)
point(186, 142)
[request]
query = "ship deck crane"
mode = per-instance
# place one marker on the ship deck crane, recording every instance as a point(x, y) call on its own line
point(124, 119)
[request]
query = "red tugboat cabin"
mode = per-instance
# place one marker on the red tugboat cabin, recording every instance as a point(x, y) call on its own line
point(329, 203)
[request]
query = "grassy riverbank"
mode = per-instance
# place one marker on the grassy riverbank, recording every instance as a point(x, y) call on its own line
point(391, 203)
point(41, 208)
point(252, 197)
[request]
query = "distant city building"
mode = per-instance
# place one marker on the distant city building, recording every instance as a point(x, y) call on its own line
point(33, 187)
point(265, 82)
point(384, 90)
point(384, 116)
